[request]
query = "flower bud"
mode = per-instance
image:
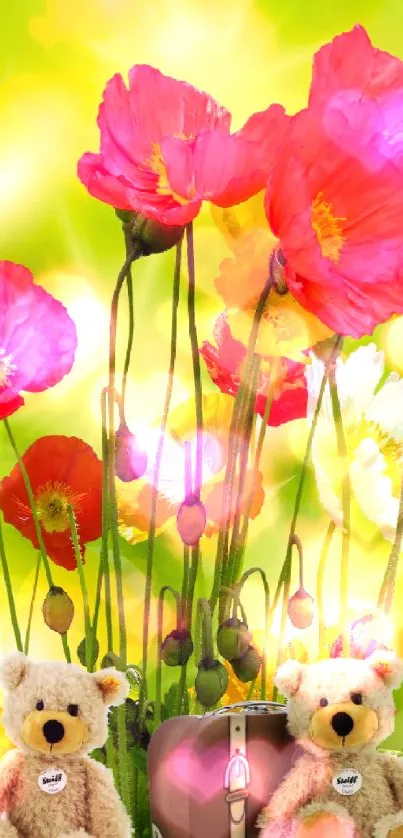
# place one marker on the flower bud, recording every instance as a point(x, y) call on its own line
point(233, 639)
point(211, 682)
point(301, 609)
point(191, 520)
point(177, 648)
point(247, 667)
point(82, 651)
point(58, 610)
point(151, 235)
point(130, 460)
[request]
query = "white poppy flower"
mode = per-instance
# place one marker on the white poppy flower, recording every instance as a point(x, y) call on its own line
point(373, 428)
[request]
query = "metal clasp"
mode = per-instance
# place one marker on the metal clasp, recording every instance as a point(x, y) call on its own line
point(237, 780)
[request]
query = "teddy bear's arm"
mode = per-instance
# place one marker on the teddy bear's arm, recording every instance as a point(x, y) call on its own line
point(107, 815)
point(392, 768)
point(300, 785)
point(11, 780)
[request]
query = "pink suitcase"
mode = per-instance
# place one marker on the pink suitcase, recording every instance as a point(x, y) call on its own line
point(210, 776)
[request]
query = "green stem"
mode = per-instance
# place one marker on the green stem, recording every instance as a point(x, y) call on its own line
point(286, 568)
point(83, 586)
point(195, 360)
point(38, 531)
point(97, 606)
point(32, 603)
point(319, 589)
point(157, 467)
point(160, 627)
point(104, 557)
point(391, 570)
point(129, 281)
point(345, 498)
point(241, 546)
point(223, 532)
point(9, 589)
point(229, 574)
point(205, 614)
point(239, 588)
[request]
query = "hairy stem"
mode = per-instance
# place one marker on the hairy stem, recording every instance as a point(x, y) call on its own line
point(32, 604)
point(319, 589)
point(84, 591)
point(345, 498)
point(9, 589)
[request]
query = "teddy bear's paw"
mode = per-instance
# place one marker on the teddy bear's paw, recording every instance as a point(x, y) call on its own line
point(78, 833)
point(390, 827)
point(319, 819)
point(7, 830)
point(320, 824)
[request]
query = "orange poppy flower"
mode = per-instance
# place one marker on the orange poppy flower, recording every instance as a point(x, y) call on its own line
point(63, 471)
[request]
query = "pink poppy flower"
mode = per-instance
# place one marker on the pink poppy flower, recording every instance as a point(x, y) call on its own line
point(224, 364)
point(166, 147)
point(38, 339)
point(335, 195)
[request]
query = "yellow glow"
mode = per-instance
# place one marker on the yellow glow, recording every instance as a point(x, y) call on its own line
point(393, 344)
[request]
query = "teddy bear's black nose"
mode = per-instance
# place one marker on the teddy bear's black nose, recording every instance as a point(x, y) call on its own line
point(342, 724)
point(53, 731)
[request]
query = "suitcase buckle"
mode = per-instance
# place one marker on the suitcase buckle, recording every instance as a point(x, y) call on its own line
point(237, 780)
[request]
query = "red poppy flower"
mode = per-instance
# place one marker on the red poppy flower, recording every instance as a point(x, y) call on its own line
point(166, 147)
point(224, 364)
point(38, 339)
point(335, 195)
point(63, 471)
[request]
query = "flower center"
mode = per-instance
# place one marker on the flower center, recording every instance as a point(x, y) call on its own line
point(328, 228)
point(391, 450)
point(7, 369)
point(52, 502)
point(156, 162)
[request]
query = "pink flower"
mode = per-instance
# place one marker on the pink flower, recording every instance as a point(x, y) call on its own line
point(166, 147)
point(37, 338)
point(335, 195)
point(224, 363)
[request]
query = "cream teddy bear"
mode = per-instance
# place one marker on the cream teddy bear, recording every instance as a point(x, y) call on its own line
point(339, 710)
point(55, 714)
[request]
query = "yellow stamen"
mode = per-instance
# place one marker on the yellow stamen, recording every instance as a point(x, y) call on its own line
point(156, 163)
point(7, 369)
point(52, 503)
point(328, 228)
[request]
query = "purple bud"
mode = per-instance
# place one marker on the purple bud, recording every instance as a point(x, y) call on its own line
point(130, 460)
point(191, 520)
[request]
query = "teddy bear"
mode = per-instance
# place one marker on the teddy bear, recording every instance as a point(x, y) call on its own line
point(340, 786)
point(55, 714)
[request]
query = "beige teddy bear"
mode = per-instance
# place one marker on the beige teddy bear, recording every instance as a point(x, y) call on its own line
point(55, 714)
point(339, 710)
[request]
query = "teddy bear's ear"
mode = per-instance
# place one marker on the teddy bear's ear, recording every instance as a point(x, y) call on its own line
point(113, 686)
point(12, 670)
point(288, 678)
point(388, 667)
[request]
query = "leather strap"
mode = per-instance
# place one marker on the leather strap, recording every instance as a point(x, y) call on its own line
point(237, 776)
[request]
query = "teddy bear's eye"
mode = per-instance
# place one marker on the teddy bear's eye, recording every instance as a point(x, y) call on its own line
point(39, 705)
point(323, 702)
point(73, 709)
point(356, 698)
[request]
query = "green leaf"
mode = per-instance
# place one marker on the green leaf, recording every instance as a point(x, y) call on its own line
point(139, 757)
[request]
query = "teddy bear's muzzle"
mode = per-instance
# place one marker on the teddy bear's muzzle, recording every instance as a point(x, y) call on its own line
point(343, 726)
point(54, 732)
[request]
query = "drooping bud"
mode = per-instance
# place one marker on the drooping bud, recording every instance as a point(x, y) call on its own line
point(130, 459)
point(301, 609)
point(150, 235)
point(233, 639)
point(110, 659)
point(191, 520)
point(177, 648)
point(211, 682)
point(58, 610)
point(247, 667)
point(82, 651)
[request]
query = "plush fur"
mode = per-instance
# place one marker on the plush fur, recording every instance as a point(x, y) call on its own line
point(76, 702)
point(306, 805)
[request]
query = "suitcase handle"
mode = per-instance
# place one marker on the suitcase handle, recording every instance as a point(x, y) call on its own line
point(250, 707)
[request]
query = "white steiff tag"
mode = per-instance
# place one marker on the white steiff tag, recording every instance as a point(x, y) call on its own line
point(347, 782)
point(52, 781)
